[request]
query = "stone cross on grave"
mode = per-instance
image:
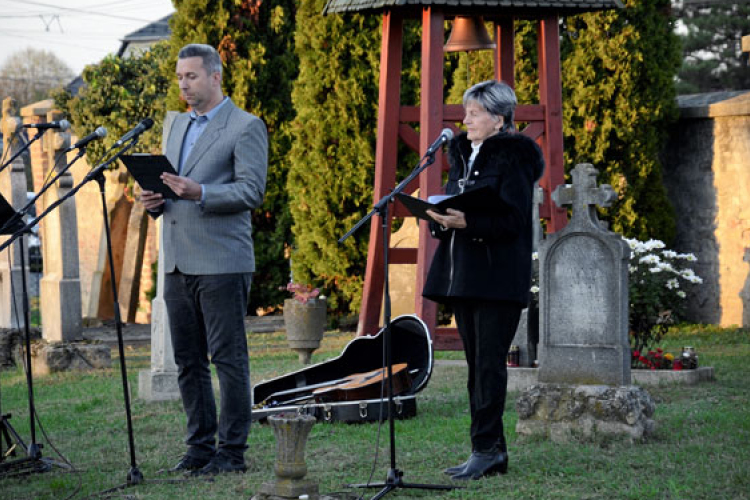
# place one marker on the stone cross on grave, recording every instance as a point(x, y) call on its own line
point(583, 279)
point(584, 364)
point(584, 195)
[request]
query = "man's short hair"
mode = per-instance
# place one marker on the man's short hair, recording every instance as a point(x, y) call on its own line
point(209, 55)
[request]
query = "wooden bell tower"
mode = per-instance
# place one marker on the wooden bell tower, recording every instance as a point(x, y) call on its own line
point(544, 121)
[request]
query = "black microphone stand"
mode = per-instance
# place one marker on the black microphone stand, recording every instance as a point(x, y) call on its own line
point(394, 477)
point(14, 226)
point(97, 173)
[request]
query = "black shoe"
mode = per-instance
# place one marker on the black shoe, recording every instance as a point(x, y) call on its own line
point(452, 471)
point(221, 464)
point(483, 464)
point(189, 463)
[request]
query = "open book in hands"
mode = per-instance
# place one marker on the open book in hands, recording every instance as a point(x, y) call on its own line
point(477, 200)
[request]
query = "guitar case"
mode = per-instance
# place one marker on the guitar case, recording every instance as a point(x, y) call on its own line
point(412, 345)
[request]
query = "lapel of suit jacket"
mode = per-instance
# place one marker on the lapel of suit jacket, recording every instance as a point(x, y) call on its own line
point(208, 138)
point(176, 138)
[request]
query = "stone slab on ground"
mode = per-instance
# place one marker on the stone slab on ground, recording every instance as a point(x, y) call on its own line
point(563, 412)
point(521, 378)
point(69, 356)
point(681, 377)
point(133, 334)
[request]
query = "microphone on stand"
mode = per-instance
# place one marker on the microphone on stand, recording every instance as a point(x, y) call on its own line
point(99, 133)
point(145, 124)
point(62, 125)
point(445, 136)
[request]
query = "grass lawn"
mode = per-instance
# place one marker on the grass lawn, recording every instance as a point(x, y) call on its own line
point(701, 448)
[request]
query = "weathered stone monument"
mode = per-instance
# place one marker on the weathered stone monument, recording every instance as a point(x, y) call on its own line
point(584, 352)
point(13, 189)
point(160, 382)
point(60, 288)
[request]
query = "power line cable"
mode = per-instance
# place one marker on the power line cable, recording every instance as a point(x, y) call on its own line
point(80, 11)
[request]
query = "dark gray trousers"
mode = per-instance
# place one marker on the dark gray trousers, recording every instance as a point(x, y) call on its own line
point(206, 318)
point(487, 329)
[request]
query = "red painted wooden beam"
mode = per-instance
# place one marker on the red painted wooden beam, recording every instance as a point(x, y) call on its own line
point(386, 155)
point(430, 126)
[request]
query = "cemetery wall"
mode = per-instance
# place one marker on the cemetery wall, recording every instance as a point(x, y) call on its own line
point(707, 176)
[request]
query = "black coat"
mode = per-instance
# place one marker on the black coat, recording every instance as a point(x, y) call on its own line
point(490, 259)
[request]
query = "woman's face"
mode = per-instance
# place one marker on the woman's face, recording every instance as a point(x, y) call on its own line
point(480, 124)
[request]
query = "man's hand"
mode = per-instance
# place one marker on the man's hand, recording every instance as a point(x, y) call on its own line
point(452, 219)
point(150, 200)
point(183, 187)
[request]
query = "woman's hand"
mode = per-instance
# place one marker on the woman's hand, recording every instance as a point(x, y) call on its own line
point(452, 219)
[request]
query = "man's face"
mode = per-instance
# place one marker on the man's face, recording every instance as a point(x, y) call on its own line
point(197, 87)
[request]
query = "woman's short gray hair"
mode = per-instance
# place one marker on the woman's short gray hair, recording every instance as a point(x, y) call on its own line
point(497, 98)
point(209, 55)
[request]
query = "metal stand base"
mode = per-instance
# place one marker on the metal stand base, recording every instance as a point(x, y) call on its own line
point(394, 481)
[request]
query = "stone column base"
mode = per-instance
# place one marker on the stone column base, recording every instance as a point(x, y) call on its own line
point(288, 489)
point(158, 386)
point(570, 412)
point(65, 356)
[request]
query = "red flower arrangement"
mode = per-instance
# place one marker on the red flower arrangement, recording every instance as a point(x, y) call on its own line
point(655, 360)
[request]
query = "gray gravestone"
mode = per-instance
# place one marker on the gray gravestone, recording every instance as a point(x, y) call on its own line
point(583, 273)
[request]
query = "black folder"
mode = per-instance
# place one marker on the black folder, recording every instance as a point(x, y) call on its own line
point(478, 200)
point(147, 170)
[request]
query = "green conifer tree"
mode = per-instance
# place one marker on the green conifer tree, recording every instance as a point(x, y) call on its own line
point(618, 96)
point(332, 156)
point(256, 46)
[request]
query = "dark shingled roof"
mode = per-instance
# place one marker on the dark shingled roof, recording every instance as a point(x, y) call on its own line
point(486, 6)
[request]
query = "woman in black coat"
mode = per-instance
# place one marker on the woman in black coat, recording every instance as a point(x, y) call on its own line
point(482, 266)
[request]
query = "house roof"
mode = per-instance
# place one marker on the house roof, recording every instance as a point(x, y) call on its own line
point(485, 6)
point(152, 32)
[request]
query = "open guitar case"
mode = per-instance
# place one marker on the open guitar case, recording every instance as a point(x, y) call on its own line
point(411, 345)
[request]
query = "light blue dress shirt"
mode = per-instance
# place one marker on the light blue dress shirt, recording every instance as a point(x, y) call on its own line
point(198, 124)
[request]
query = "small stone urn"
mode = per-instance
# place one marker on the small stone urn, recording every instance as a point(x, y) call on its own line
point(291, 431)
point(305, 325)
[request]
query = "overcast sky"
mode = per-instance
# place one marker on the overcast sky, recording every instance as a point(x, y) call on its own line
point(79, 32)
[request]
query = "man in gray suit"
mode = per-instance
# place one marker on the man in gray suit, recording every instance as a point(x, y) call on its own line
point(220, 153)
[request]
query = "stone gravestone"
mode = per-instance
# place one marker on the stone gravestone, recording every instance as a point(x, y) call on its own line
point(160, 382)
point(60, 306)
point(60, 288)
point(584, 310)
point(13, 189)
point(584, 351)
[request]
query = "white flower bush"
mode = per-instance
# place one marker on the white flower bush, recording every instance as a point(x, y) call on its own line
point(658, 280)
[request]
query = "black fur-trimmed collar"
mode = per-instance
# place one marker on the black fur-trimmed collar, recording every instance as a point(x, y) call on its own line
point(510, 143)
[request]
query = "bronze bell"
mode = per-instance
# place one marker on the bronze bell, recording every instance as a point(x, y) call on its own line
point(467, 34)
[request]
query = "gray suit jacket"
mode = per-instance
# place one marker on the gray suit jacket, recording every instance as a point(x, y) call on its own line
point(230, 159)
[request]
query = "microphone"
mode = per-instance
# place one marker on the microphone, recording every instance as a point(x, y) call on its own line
point(99, 133)
point(445, 136)
point(62, 125)
point(145, 124)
